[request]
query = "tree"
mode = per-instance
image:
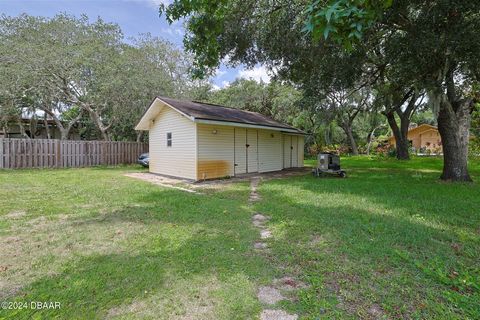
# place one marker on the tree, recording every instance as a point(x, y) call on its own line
point(432, 45)
point(277, 100)
point(252, 32)
point(346, 107)
point(72, 70)
point(399, 105)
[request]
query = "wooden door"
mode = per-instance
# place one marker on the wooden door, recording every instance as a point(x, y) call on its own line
point(294, 153)
point(240, 150)
point(252, 150)
point(287, 151)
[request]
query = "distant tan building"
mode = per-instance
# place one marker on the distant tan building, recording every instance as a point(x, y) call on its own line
point(424, 137)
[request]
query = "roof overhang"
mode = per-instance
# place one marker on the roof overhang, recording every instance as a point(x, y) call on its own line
point(246, 125)
point(153, 111)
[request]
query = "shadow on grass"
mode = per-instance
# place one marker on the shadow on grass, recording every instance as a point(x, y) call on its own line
point(186, 236)
point(407, 244)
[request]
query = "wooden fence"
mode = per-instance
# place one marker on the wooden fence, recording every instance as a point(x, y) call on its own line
point(44, 153)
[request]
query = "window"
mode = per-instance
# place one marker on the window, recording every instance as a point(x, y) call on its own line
point(169, 139)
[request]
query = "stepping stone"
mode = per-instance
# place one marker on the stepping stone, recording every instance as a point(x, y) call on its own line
point(265, 234)
point(269, 295)
point(254, 196)
point(260, 245)
point(270, 314)
point(257, 223)
point(260, 217)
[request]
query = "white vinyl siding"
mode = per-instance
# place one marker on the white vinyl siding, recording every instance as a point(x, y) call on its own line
point(215, 151)
point(207, 151)
point(179, 159)
point(269, 150)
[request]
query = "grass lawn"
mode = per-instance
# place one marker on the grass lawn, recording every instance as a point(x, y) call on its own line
point(389, 241)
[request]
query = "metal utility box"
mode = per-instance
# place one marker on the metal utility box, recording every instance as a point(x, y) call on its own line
point(328, 163)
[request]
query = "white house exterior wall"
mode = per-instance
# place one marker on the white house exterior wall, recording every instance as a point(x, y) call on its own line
point(179, 160)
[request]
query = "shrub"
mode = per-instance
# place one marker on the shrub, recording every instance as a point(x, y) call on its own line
point(474, 148)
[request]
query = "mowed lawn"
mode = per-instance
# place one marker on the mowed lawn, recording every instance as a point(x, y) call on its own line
point(390, 241)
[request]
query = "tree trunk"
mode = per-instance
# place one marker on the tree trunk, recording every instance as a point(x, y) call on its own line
point(47, 129)
point(23, 133)
point(454, 127)
point(95, 116)
point(105, 135)
point(351, 139)
point(370, 138)
point(400, 134)
point(326, 136)
point(139, 136)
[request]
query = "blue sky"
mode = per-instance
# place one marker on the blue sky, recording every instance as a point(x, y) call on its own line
point(133, 16)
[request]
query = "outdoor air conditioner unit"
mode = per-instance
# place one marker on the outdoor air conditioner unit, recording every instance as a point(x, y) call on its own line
point(328, 163)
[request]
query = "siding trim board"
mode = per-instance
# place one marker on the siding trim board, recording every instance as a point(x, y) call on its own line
point(245, 125)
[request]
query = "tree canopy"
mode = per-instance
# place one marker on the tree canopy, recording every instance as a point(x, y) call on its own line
point(391, 46)
point(76, 71)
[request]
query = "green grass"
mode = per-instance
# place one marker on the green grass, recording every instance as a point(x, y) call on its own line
point(390, 240)
point(107, 245)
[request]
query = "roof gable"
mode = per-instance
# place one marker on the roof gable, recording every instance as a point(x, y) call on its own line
point(422, 128)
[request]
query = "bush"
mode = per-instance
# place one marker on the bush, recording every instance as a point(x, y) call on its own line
point(339, 149)
point(474, 148)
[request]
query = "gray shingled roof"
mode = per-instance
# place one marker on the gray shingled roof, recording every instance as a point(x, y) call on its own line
point(207, 111)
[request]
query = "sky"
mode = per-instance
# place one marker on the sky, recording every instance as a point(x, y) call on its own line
point(134, 17)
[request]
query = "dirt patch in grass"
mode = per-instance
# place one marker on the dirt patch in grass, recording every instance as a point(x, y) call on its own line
point(272, 314)
point(269, 295)
point(183, 300)
point(15, 215)
point(289, 284)
point(173, 183)
point(37, 247)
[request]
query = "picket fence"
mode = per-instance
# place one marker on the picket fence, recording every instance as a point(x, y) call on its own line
point(46, 153)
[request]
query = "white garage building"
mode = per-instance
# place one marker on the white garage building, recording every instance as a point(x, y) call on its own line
point(200, 141)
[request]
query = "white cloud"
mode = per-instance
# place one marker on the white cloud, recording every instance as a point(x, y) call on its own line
point(257, 74)
point(220, 73)
point(225, 84)
point(172, 31)
point(152, 3)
